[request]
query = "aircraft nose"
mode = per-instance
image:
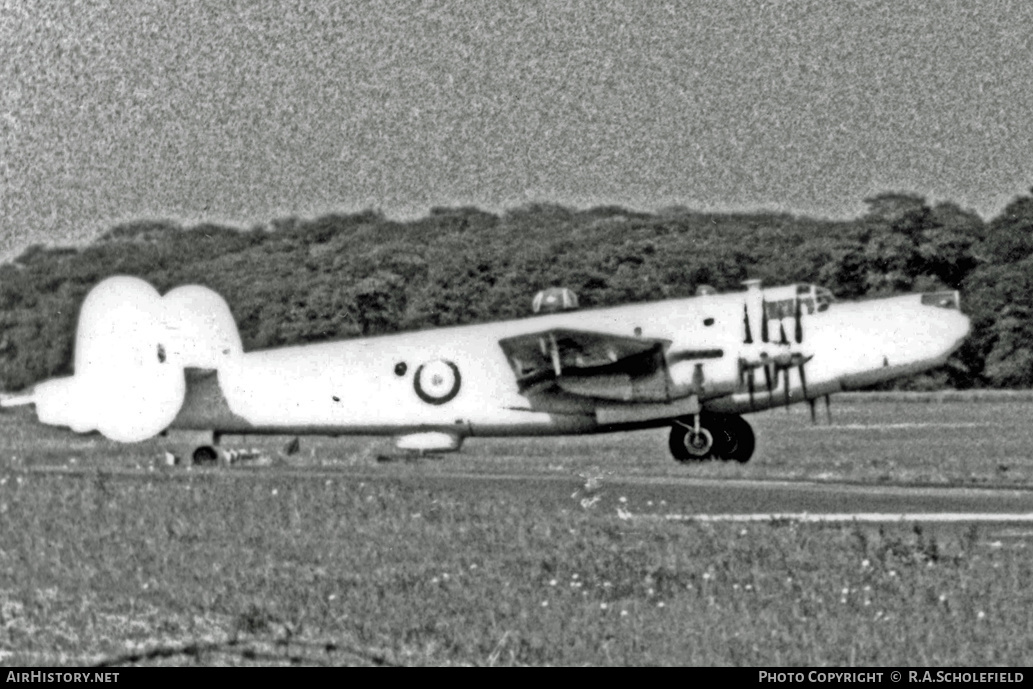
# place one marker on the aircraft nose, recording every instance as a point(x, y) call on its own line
point(951, 303)
point(944, 317)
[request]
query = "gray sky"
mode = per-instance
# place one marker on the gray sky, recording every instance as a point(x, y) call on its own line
point(245, 111)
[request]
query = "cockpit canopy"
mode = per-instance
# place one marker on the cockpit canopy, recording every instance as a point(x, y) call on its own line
point(780, 302)
point(814, 297)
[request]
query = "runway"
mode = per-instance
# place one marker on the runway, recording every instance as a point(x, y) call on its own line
point(860, 517)
point(676, 499)
point(714, 500)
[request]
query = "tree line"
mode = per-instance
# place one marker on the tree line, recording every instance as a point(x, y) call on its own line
point(299, 280)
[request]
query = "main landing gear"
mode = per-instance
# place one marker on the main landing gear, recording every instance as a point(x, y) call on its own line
point(712, 436)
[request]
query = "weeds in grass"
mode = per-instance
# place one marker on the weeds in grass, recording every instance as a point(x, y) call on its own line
point(204, 567)
point(102, 568)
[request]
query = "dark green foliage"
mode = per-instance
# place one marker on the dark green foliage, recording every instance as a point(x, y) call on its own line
point(345, 275)
point(948, 249)
point(1001, 345)
point(1010, 238)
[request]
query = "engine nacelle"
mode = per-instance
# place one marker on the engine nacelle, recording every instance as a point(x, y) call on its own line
point(131, 348)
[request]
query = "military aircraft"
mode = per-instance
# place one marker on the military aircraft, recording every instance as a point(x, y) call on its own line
point(145, 363)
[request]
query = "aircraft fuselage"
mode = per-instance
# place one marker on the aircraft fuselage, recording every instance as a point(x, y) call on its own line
point(372, 386)
point(145, 363)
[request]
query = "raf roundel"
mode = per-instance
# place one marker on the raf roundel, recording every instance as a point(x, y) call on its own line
point(437, 382)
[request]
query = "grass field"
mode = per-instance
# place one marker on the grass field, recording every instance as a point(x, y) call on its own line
point(373, 566)
point(874, 438)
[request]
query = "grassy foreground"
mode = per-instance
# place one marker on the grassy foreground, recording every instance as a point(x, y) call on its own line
point(287, 569)
point(267, 566)
point(874, 438)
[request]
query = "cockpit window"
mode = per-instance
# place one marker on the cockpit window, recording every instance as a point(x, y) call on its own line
point(803, 298)
point(777, 310)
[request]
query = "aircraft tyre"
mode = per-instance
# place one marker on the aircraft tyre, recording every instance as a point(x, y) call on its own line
point(688, 446)
point(735, 439)
point(721, 436)
point(206, 455)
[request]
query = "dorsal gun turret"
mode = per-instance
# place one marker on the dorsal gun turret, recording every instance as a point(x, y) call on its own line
point(553, 300)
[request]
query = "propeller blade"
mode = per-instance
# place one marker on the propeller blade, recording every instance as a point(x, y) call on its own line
point(799, 327)
point(785, 376)
point(782, 332)
point(814, 418)
point(767, 380)
point(803, 379)
point(828, 409)
point(749, 383)
point(746, 321)
point(763, 321)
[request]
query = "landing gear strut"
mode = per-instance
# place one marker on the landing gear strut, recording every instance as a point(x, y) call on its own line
point(712, 436)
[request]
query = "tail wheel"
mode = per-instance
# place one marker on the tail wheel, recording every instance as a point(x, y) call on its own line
point(206, 455)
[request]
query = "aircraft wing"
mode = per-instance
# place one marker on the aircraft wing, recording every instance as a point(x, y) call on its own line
point(590, 364)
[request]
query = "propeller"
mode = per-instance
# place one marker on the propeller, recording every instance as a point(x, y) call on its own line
point(767, 374)
point(781, 362)
point(803, 384)
point(799, 327)
point(746, 375)
point(750, 387)
point(785, 392)
point(774, 366)
point(828, 409)
point(784, 363)
point(763, 320)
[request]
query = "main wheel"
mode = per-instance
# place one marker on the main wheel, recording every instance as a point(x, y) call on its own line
point(737, 441)
point(721, 436)
point(688, 446)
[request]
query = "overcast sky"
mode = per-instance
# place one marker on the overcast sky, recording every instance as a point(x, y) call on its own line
point(245, 111)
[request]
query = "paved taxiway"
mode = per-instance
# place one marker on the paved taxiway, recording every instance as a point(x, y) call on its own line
point(674, 498)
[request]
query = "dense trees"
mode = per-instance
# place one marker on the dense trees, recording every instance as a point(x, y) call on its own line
point(346, 275)
point(1000, 352)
